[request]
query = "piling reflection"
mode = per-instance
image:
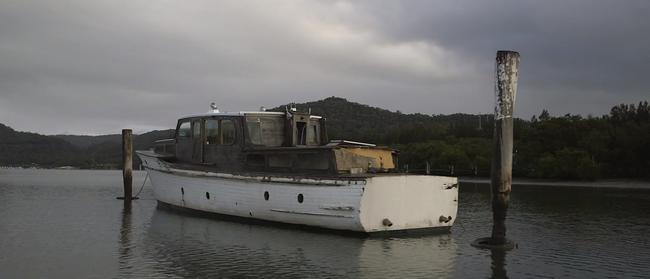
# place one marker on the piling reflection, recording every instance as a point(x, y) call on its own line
point(191, 246)
point(498, 263)
point(125, 242)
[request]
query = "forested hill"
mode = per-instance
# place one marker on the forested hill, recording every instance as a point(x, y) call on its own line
point(361, 122)
point(88, 141)
point(615, 145)
point(23, 149)
point(26, 149)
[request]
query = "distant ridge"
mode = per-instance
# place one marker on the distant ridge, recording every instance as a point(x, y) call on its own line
point(88, 141)
point(24, 149)
point(355, 121)
point(30, 149)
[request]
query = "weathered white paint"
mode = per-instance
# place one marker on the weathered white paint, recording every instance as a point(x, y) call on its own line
point(507, 74)
point(408, 201)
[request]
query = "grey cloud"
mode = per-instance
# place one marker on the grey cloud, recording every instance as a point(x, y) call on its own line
point(572, 51)
point(97, 66)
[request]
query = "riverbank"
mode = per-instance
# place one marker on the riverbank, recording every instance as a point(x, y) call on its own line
point(604, 183)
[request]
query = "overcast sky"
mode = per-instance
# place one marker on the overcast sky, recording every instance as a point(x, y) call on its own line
point(95, 67)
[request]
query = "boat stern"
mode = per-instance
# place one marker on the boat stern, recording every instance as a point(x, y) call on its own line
point(408, 202)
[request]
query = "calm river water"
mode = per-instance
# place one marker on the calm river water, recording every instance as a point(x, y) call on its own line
point(68, 224)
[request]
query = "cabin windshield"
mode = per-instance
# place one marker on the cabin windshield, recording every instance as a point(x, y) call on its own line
point(265, 130)
point(184, 129)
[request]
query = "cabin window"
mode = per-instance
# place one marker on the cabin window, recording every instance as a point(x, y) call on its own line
point(265, 130)
point(184, 130)
point(255, 131)
point(196, 129)
point(211, 131)
point(227, 132)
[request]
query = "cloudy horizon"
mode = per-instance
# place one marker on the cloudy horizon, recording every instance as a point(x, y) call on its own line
point(95, 67)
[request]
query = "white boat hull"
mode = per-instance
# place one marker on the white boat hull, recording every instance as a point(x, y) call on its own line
point(372, 204)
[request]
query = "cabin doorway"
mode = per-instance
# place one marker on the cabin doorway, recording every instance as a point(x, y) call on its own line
point(301, 133)
point(221, 143)
point(197, 141)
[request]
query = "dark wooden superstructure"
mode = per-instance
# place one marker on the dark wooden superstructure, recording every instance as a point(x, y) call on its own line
point(277, 142)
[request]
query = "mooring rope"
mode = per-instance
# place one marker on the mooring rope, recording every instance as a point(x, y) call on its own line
point(142, 187)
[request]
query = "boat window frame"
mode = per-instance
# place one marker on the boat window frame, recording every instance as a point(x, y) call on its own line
point(220, 121)
point(269, 129)
point(258, 134)
point(188, 135)
point(197, 126)
point(234, 127)
point(218, 134)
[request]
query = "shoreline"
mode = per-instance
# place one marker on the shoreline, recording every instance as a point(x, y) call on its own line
point(621, 183)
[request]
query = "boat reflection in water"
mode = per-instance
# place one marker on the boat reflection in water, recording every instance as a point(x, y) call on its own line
point(181, 244)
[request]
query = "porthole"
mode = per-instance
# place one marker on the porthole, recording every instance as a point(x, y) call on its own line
point(300, 198)
point(207, 195)
point(266, 195)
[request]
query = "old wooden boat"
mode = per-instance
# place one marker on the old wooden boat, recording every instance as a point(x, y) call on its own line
point(281, 167)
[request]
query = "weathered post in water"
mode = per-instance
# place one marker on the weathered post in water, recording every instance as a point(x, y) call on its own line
point(127, 160)
point(507, 73)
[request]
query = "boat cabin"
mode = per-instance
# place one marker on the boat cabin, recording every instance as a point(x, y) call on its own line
point(290, 141)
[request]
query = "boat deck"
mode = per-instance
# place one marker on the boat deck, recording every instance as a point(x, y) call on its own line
point(284, 174)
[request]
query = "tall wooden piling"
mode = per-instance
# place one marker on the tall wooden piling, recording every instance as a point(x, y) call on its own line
point(507, 69)
point(127, 163)
point(507, 72)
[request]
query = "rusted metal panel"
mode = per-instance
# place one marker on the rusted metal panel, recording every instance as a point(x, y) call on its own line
point(349, 159)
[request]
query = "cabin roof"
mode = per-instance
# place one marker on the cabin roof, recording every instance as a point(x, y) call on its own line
point(243, 113)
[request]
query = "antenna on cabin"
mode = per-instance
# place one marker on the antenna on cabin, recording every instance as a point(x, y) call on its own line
point(214, 108)
point(293, 107)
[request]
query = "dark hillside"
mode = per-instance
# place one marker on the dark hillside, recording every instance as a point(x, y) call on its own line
point(30, 149)
point(354, 121)
point(108, 154)
point(88, 141)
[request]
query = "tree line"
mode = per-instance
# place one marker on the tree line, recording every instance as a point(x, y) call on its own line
point(615, 145)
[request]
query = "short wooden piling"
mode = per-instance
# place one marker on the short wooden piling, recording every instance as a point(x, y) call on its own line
point(507, 72)
point(127, 160)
